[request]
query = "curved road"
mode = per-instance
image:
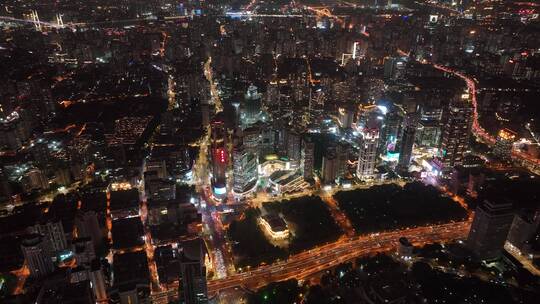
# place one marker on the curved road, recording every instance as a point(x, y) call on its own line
point(477, 129)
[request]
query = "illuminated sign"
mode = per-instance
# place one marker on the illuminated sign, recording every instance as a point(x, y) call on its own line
point(220, 155)
point(220, 190)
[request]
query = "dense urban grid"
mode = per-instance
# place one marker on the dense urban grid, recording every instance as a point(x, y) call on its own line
point(269, 151)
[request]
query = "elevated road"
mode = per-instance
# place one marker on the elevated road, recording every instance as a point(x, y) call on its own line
point(308, 263)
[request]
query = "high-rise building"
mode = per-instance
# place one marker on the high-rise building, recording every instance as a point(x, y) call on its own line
point(407, 143)
point(98, 281)
point(367, 155)
point(267, 140)
point(489, 229)
point(342, 159)
point(308, 157)
point(252, 105)
point(251, 138)
point(391, 132)
point(329, 169)
point(346, 116)
point(456, 132)
point(429, 127)
point(53, 233)
point(41, 154)
point(88, 226)
point(193, 287)
point(294, 148)
point(503, 145)
point(34, 179)
point(84, 250)
point(389, 67)
point(244, 169)
point(523, 230)
point(12, 132)
point(219, 156)
point(36, 256)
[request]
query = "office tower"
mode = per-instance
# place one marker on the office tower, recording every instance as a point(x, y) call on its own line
point(294, 148)
point(53, 233)
point(219, 157)
point(429, 126)
point(367, 155)
point(390, 136)
point(329, 165)
point(346, 116)
point(342, 152)
point(281, 132)
point(308, 157)
point(252, 105)
point(36, 256)
point(523, 230)
point(455, 132)
point(251, 138)
point(192, 265)
point(267, 140)
point(489, 229)
point(244, 169)
point(98, 281)
point(407, 142)
point(88, 226)
point(503, 145)
point(389, 67)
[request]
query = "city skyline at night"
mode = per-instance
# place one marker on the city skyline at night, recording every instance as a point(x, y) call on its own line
point(269, 151)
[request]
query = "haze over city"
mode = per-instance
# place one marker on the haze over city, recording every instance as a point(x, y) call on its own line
point(269, 151)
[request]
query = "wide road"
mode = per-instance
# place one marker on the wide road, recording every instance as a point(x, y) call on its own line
point(307, 263)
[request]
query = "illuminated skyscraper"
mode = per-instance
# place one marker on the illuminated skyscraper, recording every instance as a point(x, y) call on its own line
point(294, 148)
point(252, 105)
point(308, 157)
point(407, 142)
point(503, 146)
point(346, 116)
point(342, 158)
point(244, 169)
point(219, 156)
point(456, 132)
point(367, 155)
point(392, 130)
